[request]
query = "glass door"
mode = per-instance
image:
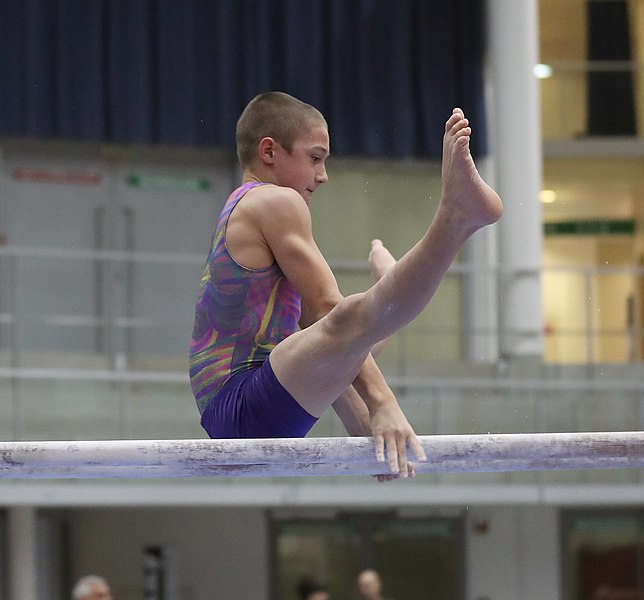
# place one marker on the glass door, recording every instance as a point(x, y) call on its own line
point(415, 557)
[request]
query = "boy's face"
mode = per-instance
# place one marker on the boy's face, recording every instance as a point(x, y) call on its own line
point(304, 168)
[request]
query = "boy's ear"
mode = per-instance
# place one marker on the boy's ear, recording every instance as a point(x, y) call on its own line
point(266, 150)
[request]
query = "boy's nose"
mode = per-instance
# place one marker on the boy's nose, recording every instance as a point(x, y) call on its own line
point(322, 177)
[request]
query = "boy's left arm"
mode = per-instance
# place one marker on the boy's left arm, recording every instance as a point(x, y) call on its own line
point(369, 407)
point(352, 411)
point(350, 407)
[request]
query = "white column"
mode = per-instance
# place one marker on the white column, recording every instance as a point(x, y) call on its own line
point(23, 552)
point(516, 138)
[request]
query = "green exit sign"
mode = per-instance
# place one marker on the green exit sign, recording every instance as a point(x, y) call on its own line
point(591, 227)
point(168, 183)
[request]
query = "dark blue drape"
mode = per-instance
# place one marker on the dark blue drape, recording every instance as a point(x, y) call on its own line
point(611, 103)
point(385, 74)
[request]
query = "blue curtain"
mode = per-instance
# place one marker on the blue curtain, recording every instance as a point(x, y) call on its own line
point(385, 74)
point(611, 102)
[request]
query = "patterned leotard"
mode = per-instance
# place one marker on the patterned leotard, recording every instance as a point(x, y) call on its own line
point(241, 313)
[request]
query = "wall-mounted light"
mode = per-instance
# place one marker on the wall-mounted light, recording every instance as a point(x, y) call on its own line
point(542, 71)
point(547, 196)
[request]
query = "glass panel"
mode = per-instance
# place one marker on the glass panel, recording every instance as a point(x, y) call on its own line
point(75, 410)
point(604, 555)
point(69, 410)
point(163, 411)
point(324, 551)
point(566, 98)
point(421, 559)
point(416, 558)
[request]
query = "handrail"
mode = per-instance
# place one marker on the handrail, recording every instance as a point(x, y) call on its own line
point(344, 265)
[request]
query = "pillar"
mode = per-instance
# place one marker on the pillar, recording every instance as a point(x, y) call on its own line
point(516, 142)
point(23, 552)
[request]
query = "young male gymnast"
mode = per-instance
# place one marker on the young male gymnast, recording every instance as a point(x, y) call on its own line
point(274, 342)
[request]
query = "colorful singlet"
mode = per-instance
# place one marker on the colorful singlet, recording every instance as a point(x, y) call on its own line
point(241, 314)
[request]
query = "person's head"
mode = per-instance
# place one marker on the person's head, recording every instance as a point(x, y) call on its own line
point(369, 585)
point(91, 587)
point(284, 141)
point(309, 589)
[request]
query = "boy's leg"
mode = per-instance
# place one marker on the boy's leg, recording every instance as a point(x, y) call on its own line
point(380, 261)
point(317, 364)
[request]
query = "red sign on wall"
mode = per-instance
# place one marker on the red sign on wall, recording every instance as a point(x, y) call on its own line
point(68, 176)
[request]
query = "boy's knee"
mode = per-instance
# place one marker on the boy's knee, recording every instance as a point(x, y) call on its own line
point(348, 319)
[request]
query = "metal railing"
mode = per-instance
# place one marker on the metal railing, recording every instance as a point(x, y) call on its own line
point(22, 298)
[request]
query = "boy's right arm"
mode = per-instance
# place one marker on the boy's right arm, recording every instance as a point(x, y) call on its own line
point(353, 413)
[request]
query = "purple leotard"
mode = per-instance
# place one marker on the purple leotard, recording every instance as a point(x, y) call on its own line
point(241, 315)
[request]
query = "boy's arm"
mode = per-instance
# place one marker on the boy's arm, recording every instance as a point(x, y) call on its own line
point(287, 228)
point(352, 411)
point(350, 407)
point(389, 425)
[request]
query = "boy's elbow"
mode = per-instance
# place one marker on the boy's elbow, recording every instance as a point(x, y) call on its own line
point(312, 314)
point(325, 308)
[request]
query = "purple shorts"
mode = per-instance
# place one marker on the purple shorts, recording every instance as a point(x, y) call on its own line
point(254, 404)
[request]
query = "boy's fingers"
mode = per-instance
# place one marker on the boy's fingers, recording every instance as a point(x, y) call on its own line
point(385, 478)
point(393, 455)
point(380, 447)
point(396, 454)
point(403, 465)
point(417, 448)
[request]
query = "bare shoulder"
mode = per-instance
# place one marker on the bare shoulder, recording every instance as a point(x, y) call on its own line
point(285, 229)
point(275, 197)
point(273, 206)
point(265, 218)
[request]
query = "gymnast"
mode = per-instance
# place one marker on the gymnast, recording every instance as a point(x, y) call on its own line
point(274, 342)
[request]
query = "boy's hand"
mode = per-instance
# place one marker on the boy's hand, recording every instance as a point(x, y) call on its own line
point(390, 477)
point(392, 435)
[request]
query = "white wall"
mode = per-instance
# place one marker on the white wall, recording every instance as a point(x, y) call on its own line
point(167, 216)
point(220, 553)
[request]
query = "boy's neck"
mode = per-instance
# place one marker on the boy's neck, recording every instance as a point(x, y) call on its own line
point(251, 174)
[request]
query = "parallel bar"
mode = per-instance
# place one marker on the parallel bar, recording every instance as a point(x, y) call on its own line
point(315, 456)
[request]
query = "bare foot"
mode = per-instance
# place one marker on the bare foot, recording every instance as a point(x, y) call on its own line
point(380, 260)
point(466, 197)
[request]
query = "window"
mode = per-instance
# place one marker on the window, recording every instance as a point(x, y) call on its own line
point(603, 554)
point(415, 557)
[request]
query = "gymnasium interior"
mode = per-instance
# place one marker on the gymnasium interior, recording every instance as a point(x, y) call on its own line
point(116, 154)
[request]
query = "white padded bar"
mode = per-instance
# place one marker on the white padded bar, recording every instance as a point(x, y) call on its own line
point(315, 456)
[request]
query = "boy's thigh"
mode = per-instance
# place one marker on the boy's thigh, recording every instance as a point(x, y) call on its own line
point(254, 404)
point(318, 363)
